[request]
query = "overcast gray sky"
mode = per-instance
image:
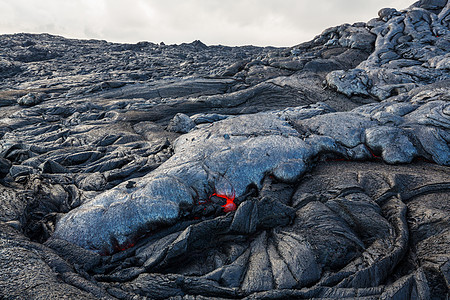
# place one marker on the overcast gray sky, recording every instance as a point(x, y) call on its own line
point(226, 22)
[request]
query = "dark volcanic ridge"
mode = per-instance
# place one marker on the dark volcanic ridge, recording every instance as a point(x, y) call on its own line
point(152, 171)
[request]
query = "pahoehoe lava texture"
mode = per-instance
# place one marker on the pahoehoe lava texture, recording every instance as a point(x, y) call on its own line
point(152, 171)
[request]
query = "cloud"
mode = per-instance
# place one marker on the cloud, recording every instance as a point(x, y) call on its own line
point(231, 22)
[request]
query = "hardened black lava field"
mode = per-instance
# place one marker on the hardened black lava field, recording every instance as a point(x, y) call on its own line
point(153, 171)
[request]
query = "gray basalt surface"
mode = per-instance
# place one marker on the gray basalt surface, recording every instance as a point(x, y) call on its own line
point(152, 171)
point(411, 49)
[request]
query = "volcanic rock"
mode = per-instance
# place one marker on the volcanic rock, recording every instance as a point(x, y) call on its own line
point(193, 171)
point(5, 165)
point(31, 99)
point(181, 123)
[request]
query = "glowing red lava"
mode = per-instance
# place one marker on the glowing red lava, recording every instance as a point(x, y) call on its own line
point(421, 158)
point(118, 248)
point(229, 205)
point(374, 156)
point(124, 246)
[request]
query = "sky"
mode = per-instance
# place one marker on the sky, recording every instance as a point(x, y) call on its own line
point(225, 22)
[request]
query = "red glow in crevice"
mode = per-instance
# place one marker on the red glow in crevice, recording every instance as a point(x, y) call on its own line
point(421, 158)
point(122, 247)
point(125, 246)
point(229, 205)
point(116, 247)
point(373, 154)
